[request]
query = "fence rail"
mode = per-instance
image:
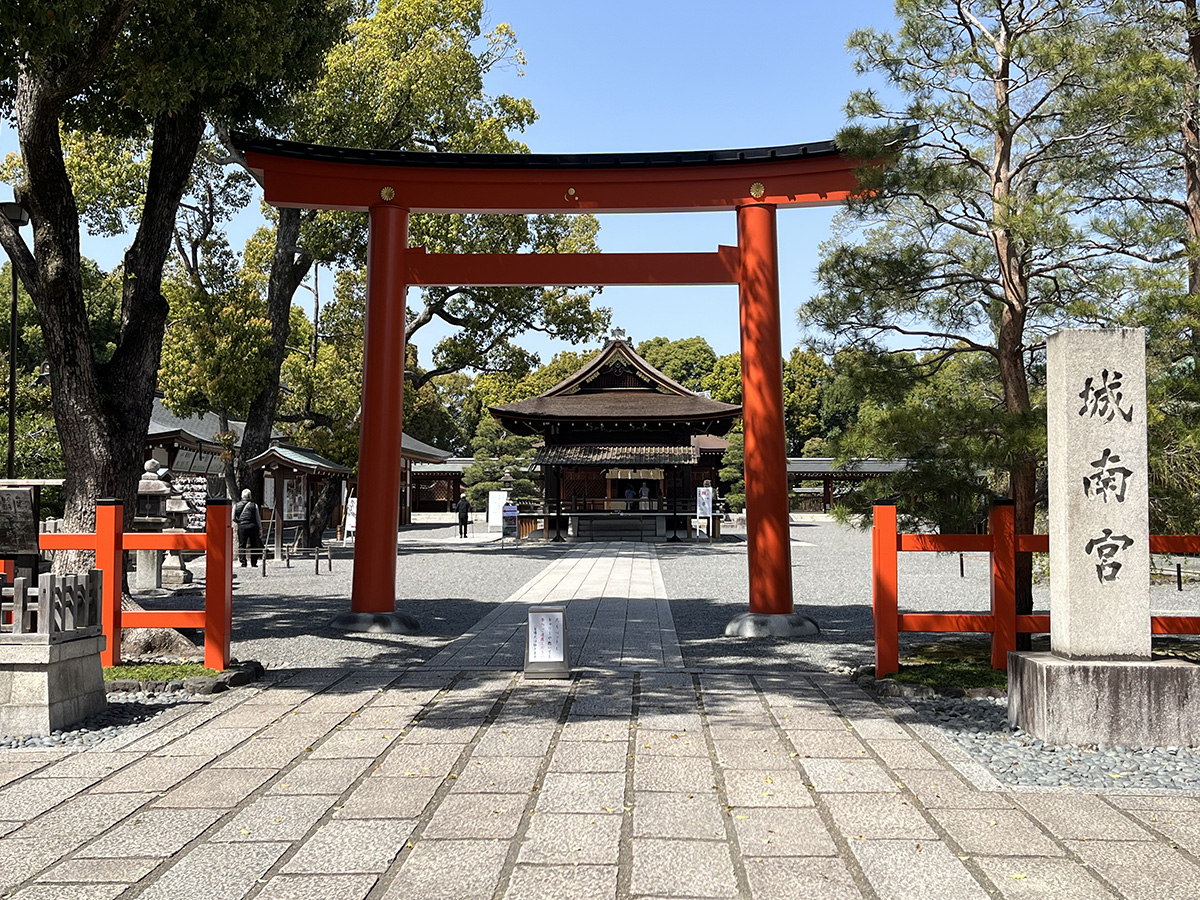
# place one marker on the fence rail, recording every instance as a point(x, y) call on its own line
point(110, 541)
point(59, 608)
point(1002, 544)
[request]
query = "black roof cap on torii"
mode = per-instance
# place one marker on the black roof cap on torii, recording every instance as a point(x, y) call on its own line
point(672, 159)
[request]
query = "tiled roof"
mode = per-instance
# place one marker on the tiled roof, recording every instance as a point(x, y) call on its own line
point(300, 458)
point(616, 455)
point(618, 406)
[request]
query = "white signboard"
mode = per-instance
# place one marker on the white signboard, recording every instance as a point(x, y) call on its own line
point(511, 516)
point(704, 497)
point(352, 516)
point(495, 512)
point(546, 646)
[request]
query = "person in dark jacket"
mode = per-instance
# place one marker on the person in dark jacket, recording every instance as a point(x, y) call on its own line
point(463, 508)
point(249, 528)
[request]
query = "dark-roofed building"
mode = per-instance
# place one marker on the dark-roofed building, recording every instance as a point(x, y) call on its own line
point(624, 445)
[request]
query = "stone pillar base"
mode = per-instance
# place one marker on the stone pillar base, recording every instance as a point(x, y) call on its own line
point(48, 687)
point(1118, 703)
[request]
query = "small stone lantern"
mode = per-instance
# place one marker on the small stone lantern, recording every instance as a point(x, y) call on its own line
point(150, 515)
point(174, 571)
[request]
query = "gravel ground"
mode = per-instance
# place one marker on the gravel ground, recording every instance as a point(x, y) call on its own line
point(981, 728)
point(125, 710)
point(831, 580)
point(282, 620)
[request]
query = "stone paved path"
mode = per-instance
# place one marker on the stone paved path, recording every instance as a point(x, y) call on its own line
point(461, 780)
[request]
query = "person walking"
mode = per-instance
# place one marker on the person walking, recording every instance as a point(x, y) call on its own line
point(249, 528)
point(463, 508)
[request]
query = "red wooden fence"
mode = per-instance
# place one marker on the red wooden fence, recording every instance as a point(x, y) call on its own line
point(1002, 622)
point(109, 543)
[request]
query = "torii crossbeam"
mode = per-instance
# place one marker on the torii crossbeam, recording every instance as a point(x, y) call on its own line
point(390, 185)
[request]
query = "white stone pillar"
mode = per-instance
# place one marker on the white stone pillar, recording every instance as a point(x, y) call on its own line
point(1099, 503)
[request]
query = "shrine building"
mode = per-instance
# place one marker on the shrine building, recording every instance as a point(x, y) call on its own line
point(625, 448)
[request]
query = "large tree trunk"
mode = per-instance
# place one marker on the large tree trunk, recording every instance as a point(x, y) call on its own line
point(289, 267)
point(331, 492)
point(102, 410)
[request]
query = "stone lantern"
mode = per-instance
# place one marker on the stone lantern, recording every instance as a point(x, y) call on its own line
point(174, 572)
point(150, 515)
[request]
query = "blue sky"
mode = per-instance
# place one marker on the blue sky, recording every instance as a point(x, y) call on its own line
point(645, 76)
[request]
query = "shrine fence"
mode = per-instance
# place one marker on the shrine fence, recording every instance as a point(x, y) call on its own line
point(1002, 543)
point(110, 541)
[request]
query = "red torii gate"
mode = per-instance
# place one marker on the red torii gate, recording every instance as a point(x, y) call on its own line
point(390, 185)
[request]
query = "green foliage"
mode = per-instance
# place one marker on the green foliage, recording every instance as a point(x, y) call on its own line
point(496, 452)
point(687, 360)
point(214, 351)
point(733, 470)
point(724, 380)
point(805, 374)
point(495, 388)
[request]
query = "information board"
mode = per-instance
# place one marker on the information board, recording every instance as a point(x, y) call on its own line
point(546, 653)
point(352, 516)
point(18, 527)
point(510, 518)
point(704, 506)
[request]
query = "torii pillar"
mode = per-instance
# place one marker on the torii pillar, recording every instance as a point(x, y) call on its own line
point(390, 185)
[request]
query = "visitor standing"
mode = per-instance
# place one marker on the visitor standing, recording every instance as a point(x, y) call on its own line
point(463, 508)
point(249, 528)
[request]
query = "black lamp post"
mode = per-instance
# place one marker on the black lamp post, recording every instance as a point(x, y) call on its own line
point(18, 216)
point(507, 480)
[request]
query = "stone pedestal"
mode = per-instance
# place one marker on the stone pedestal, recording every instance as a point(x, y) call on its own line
point(174, 571)
point(1098, 685)
point(46, 686)
point(148, 575)
point(1120, 703)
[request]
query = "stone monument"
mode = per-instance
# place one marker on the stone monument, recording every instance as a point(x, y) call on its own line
point(1098, 685)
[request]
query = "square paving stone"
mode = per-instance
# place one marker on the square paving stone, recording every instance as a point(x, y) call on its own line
point(264, 753)
point(125, 869)
point(309, 725)
point(208, 742)
point(669, 720)
point(589, 756)
point(347, 744)
point(402, 695)
point(571, 792)
point(781, 832)
point(385, 718)
point(276, 819)
point(84, 816)
point(942, 789)
point(259, 715)
point(451, 731)
point(651, 742)
point(153, 832)
point(915, 870)
point(150, 775)
point(596, 730)
point(692, 816)
point(808, 718)
point(24, 800)
point(571, 839)
point(663, 868)
point(499, 741)
point(318, 887)
point(69, 892)
point(216, 872)
point(21, 859)
point(764, 753)
point(840, 776)
point(389, 798)
point(477, 816)
point(686, 774)
point(562, 883)
point(335, 703)
point(449, 870)
point(905, 754)
point(1173, 800)
point(321, 776)
point(995, 832)
point(419, 760)
point(1180, 826)
point(13, 767)
point(496, 775)
point(878, 726)
point(87, 765)
point(740, 728)
point(217, 788)
point(1042, 879)
point(827, 744)
point(1081, 817)
point(787, 877)
point(876, 816)
point(348, 846)
point(767, 787)
point(1141, 871)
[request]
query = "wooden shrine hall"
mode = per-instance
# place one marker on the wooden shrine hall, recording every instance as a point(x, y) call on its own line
point(624, 447)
